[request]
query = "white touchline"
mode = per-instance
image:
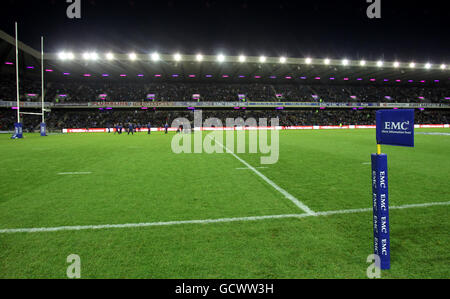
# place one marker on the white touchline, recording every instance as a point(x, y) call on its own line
point(286, 194)
point(208, 221)
point(245, 168)
point(74, 173)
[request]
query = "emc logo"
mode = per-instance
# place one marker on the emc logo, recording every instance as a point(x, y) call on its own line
point(404, 126)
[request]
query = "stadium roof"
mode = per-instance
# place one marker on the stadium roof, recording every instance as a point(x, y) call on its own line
point(205, 68)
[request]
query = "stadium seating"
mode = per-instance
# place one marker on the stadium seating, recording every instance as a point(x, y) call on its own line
point(84, 91)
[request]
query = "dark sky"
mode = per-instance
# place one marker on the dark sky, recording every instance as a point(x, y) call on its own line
point(408, 30)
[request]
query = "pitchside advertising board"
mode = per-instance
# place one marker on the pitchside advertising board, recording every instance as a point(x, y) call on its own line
point(394, 127)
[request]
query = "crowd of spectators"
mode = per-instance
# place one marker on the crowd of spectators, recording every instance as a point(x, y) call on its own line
point(132, 91)
point(73, 118)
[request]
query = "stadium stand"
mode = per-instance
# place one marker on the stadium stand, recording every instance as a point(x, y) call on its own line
point(83, 92)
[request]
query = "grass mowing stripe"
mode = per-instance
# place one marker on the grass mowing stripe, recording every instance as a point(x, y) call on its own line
point(209, 221)
point(74, 173)
point(286, 194)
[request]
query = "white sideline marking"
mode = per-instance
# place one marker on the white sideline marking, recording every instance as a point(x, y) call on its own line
point(74, 173)
point(286, 194)
point(209, 221)
point(245, 168)
point(367, 163)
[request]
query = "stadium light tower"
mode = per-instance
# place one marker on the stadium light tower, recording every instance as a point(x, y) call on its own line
point(308, 60)
point(110, 56)
point(412, 65)
point(362, 63)
point(283, 59)
point(396, 64)
point(262, 59)
point(379, 63)
point(428, 66)
point(345, 62)
point(221, 58)
point(326, 61)
point(443, 66)
point(242, 58)
point(199, 57)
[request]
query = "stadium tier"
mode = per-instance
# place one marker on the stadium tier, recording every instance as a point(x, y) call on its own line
point(94, 90)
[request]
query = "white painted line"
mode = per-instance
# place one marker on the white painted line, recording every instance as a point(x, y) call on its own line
point(286, 194)
point(246, 168)
point(423, 205)
point(74, 173)
point(367, 163)
point(133, 225)
point(209, 221)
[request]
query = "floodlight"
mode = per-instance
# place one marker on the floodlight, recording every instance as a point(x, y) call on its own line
point(62, 56)
point(94, 56)
point(262, 59)
point(221, 58)
point(326, 61)
point(155, 56)
point(412, 65)
point(396, 64)
point(177, 57)
point(110, 56)
point(199, 57)
point(428, 66)
point(362, 63)
point(282, 59)
point(345, 62)
point(242, 58)
point(86, 56)
point(379, 63)
point(443, 66)
point(132, 56)
point(308, 60)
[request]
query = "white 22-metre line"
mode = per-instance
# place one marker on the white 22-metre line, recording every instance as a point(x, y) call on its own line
point(207, 221)
point(286, 194)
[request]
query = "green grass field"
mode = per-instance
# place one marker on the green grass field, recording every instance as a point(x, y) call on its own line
point(138, 179)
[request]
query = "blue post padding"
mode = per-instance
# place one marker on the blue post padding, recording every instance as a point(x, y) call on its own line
point(18, 131)
point(380, 205)
point(43, 129)
point(395, 127)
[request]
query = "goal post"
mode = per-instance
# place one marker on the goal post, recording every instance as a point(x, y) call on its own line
point(18, 126)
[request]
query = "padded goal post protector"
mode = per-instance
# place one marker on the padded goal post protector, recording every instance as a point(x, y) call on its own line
point(43, 129)
point(18, 131)
point(395, 127)
point(380, 193)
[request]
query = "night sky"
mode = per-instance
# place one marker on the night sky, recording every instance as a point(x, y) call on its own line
point(408, 30)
